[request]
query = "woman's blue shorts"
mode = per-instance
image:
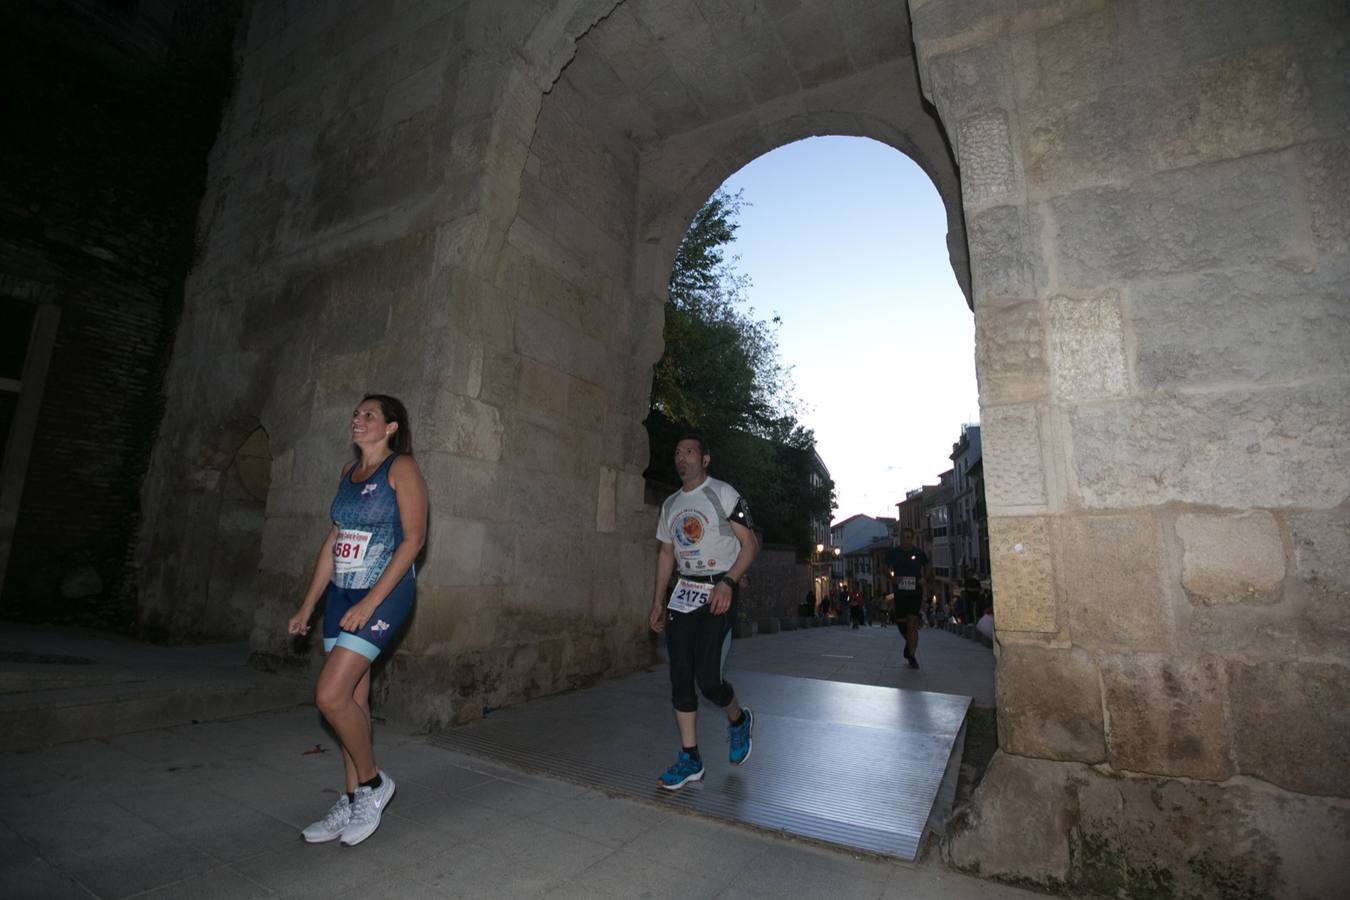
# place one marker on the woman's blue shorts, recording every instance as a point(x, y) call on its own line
point(379, 629)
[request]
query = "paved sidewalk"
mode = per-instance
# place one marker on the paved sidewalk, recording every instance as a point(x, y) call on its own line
point(62, 684)
point(213, 810)
point(948, 663)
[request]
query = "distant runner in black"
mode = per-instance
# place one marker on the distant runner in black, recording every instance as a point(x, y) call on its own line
point(909, 580)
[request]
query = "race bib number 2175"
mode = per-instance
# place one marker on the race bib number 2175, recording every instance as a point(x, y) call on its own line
point(689, 595)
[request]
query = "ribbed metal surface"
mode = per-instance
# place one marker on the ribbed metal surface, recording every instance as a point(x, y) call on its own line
point(853, 765)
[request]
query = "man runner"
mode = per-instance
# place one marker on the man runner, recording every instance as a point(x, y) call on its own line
point(909, 570)
point(705, 530)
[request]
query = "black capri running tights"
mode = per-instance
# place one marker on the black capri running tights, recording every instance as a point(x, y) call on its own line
point(697, 643)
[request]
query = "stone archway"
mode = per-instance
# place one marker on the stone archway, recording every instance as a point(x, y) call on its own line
point(475, 209)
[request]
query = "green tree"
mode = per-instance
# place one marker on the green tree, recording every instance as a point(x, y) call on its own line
point(721, 374)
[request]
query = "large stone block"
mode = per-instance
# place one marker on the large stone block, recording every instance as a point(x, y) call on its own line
point(542, 445)
point(1087, 347)
point(1161, 837)
point(1320, 589)
point(559, 344)
point(1013, 464)
point(1089, 832)
point(960, 80)
point(1010, 352)
point(988, 168)
point(1005, 254)
point(1230, 107)
point(463, 487)
point(1266, 324)
point(462, 425)
point(454, 554)
point(1080, 56)
point(1231, 558)
point(1290, 723)
point(543, 389)
point(1169, 34)
point(1287, 446)
point(1023, 573)
point(1018, 823)
point(1165, 715)
point(1049, 703)
point(1328, 170)
point(1202, 218)
point(1111, 572)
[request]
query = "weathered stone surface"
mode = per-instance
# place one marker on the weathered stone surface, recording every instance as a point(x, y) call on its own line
point(1087, 347)
point(1329, 196)
point(1320, 589)
point(1013, 465)
point(1111, 571)
point(1218, 326)
point(1035, 795)
point(465, 426)
point(1089, 832)
point(1291, 725)
point(964, 81)
point(1234, 106)
point(1231, 558)
point(1049, 703)
point(1020, 558)
point(988, 169)
point(1177, 222)
point(1080, 56)
point(1165, 715)
point(1010, 352)
point(1142, 836)
point(1216, 449)
point(1005, 253)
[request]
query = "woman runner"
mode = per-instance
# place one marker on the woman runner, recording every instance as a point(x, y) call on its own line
point(365, 574)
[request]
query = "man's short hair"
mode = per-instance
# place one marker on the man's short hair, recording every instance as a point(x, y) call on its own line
point(691, 435)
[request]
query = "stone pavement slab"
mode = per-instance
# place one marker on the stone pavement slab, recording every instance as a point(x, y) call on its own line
point(213, 811)
point(949, 664)
point(63, 684)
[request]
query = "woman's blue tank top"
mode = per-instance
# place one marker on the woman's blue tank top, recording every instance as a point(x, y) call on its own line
point(369, 529)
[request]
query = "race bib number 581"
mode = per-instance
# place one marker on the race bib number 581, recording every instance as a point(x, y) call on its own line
point(689, 595)
point(349, 550)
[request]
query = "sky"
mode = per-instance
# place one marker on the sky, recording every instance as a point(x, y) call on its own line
point(845, 239)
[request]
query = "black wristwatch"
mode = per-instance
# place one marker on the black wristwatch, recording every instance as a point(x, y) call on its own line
point(728, 581)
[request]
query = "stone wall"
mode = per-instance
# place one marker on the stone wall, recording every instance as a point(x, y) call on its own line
point(476, 208)
point(1155, 196)
point(775, 586)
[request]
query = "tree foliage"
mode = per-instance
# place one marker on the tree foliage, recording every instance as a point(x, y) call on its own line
point(721, 374)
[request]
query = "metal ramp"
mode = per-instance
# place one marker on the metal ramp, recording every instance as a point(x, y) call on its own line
point(861, 767)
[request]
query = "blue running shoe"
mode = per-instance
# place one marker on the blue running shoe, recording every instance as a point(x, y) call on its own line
point(685, 770)
point(739, 737)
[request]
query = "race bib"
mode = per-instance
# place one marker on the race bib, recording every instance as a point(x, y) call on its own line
point(349, 550)
point(689, 595)
point(906, 583)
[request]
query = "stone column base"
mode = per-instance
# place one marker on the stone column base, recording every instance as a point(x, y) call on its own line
point(1089, 830)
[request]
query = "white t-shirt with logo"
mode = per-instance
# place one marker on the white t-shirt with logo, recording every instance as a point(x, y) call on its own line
point(698, 525)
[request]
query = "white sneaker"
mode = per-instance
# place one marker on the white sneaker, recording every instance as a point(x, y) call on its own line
point(367, 810)
point(331, 825)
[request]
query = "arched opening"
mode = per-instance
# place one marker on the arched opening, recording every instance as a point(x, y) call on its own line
point(619, 160)
point(840, 241)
